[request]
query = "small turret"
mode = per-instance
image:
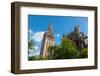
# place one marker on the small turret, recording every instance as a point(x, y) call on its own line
point(77, 29)
point(50, 27)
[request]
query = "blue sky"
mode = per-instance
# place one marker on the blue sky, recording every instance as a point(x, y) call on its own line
point(38, 25)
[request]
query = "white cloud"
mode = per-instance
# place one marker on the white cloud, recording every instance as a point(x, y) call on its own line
point(37, 53)
point(57, 35)
point(38, 36)
point(30, 31)
point(36, 47)
point(31, 52)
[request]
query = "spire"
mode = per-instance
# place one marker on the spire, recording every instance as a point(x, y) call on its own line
point(77, 28)
point(64, 36)
point(50, 27)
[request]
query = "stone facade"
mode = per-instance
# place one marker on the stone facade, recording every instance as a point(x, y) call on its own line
point(48, 40)
point(80, 39)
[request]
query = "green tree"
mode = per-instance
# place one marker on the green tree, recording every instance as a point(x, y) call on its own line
point(66, 50)
point(31, 46)
point(83, 53)
point(52, 52)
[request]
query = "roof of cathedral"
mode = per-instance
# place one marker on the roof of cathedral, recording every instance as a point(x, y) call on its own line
point(75, 34)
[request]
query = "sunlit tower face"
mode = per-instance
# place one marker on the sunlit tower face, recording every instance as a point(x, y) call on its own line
point(48, 40)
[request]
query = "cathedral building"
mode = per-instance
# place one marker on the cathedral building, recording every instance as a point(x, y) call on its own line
point(79, 38)
point(48, 40)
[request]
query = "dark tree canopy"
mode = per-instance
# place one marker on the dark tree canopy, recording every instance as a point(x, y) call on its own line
point(66, 50)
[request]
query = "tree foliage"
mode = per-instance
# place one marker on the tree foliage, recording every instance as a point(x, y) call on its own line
point(66, 50)
point(31, 44)
point(83, 53)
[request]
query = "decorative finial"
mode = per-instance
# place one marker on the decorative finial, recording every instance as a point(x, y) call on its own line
point(50, 27)
point(77, 28)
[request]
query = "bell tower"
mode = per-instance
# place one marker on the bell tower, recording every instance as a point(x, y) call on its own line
point(48, 40)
